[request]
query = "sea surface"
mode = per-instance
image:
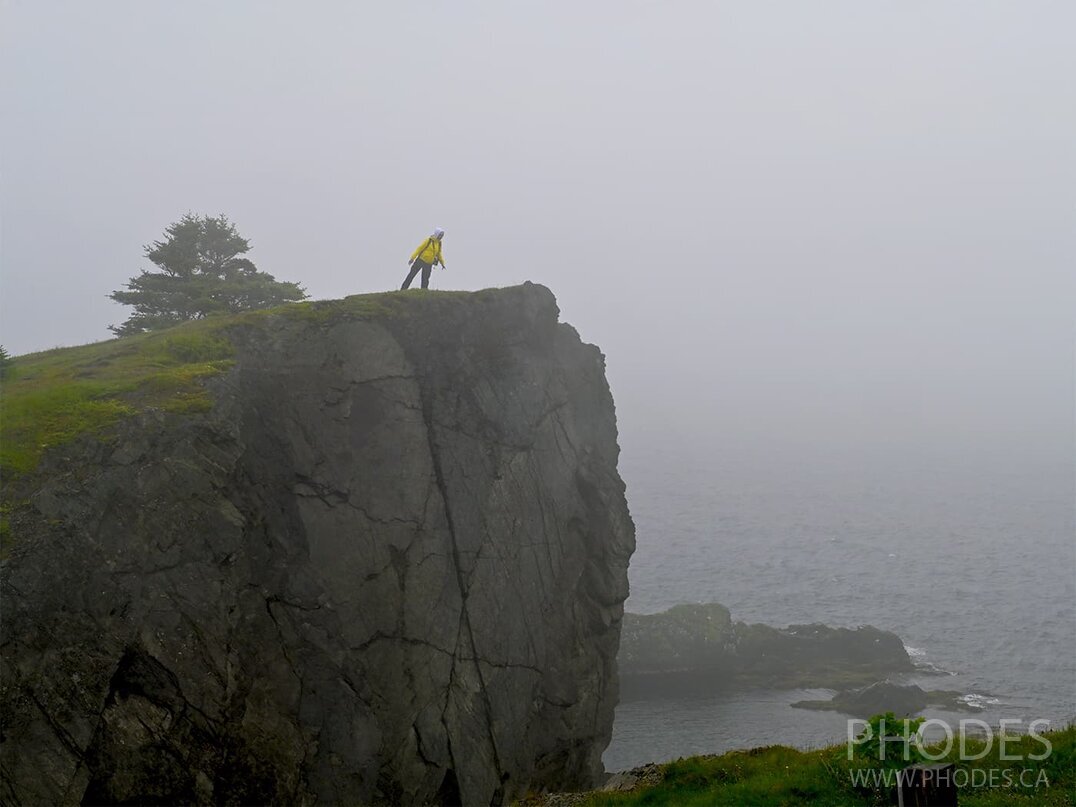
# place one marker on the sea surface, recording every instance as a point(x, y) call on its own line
point(970, 560)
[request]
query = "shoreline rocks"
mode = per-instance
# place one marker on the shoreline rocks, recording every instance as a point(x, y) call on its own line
point(698, 649)
point(885, 696)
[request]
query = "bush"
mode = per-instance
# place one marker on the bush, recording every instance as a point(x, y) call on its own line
point(890, 741)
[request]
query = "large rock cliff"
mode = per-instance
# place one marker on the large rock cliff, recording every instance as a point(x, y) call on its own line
point(388, 566)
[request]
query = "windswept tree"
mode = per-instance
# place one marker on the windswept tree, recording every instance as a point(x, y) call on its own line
point(202, 272)
point(6, 364)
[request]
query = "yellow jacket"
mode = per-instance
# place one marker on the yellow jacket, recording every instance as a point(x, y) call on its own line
point(429, 251)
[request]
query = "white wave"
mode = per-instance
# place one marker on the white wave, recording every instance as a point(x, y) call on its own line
point(977, 701)
point(919, 658)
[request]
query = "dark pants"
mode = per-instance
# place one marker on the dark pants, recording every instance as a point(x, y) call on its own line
point(425, 267)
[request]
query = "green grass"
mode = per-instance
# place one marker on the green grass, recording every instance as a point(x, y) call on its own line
point(776, 775)
point(50, 398)
point(58, 395)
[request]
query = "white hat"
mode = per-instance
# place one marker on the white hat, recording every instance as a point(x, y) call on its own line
point(438, 232)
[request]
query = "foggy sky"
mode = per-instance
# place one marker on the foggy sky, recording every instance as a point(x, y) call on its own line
point(830, 224)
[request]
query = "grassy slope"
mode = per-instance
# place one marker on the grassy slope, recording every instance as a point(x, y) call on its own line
point(776, 775)
point(57, 395)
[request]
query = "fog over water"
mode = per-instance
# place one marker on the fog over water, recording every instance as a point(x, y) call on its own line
point(969, 562)
point(827, 248)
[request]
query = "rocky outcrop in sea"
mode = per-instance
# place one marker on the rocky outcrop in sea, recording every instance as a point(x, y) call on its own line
point(698, 648)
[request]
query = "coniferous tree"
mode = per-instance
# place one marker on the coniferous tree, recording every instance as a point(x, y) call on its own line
point(202, 272)
point(6, 364)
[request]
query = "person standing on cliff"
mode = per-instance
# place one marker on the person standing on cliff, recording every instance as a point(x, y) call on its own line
point(425, 258)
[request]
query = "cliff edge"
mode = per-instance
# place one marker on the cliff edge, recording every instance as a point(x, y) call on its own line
point(385, 563)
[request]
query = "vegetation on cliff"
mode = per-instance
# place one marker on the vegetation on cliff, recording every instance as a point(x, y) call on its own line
point(202, 272)
point(52, 397)
point(58, 395)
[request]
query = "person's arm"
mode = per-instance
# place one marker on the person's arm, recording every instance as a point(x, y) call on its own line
point(441, 254)
point(421, 247)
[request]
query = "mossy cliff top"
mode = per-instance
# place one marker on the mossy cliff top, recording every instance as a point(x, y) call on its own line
point(55, 396)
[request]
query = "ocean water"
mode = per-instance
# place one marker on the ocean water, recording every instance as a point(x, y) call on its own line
point(970, 560)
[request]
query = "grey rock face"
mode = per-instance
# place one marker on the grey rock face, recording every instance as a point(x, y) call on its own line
point(389, 567)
